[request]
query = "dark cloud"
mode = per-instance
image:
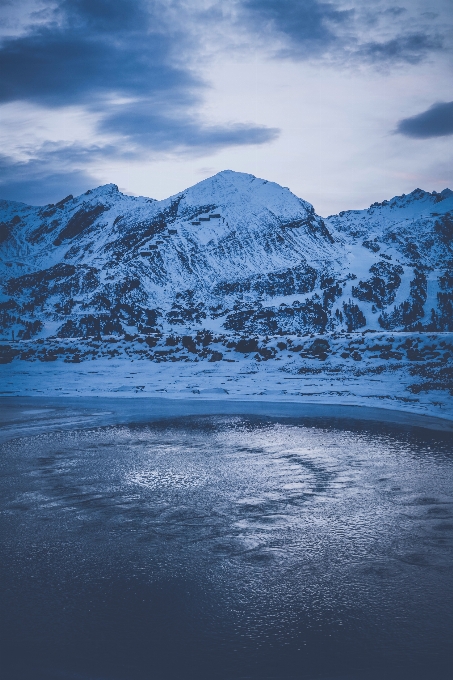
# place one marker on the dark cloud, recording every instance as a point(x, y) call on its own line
point(52, 173)
point(308, 26)
point(94, 48)
point(406, 48)
point(143, 125)
point(312, 28)
point(105, 16)
point(437, 121)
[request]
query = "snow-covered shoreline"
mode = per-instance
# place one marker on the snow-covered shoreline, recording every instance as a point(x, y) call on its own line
point(241, 380)
point(409, 372)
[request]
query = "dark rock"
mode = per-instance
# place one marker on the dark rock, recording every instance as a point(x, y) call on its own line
point(80, 221)
point(382, 286)
point(354, 316)
point(247, 345)
point(189, 343)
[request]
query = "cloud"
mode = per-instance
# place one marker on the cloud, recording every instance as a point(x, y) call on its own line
point(91, 49)
point(97, 53)
point(105, 16)
point(369, 33)
point(142, 125)
point(53, 172)
point(437, 121)
point(307, 27)
point(410, 49)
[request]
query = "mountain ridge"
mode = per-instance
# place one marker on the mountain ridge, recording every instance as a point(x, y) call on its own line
point(236, 237)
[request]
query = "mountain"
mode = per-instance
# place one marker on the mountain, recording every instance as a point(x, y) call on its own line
point(228, 266)
point(124, 263)
point(402, 253)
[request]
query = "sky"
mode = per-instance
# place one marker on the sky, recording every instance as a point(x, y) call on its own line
point(346, 103)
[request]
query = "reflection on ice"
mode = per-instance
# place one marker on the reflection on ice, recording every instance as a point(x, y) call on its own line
point(264, 546)
point(154, 479)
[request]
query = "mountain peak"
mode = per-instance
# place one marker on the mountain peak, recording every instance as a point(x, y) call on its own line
point(239, 191)
point(415, 195)
point(103, 190)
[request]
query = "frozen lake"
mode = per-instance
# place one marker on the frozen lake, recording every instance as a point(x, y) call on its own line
point(223, 546)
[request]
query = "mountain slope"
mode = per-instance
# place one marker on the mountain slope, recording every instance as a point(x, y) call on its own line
point(402, 252)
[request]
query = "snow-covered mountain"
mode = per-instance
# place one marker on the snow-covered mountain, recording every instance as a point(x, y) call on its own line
point(402, 254)
point(233, 252)
point(228, 266)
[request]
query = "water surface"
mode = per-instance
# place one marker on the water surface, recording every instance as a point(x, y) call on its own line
point(229, 547)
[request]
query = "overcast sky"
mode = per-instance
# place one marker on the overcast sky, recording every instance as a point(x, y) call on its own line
point(346, 103)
